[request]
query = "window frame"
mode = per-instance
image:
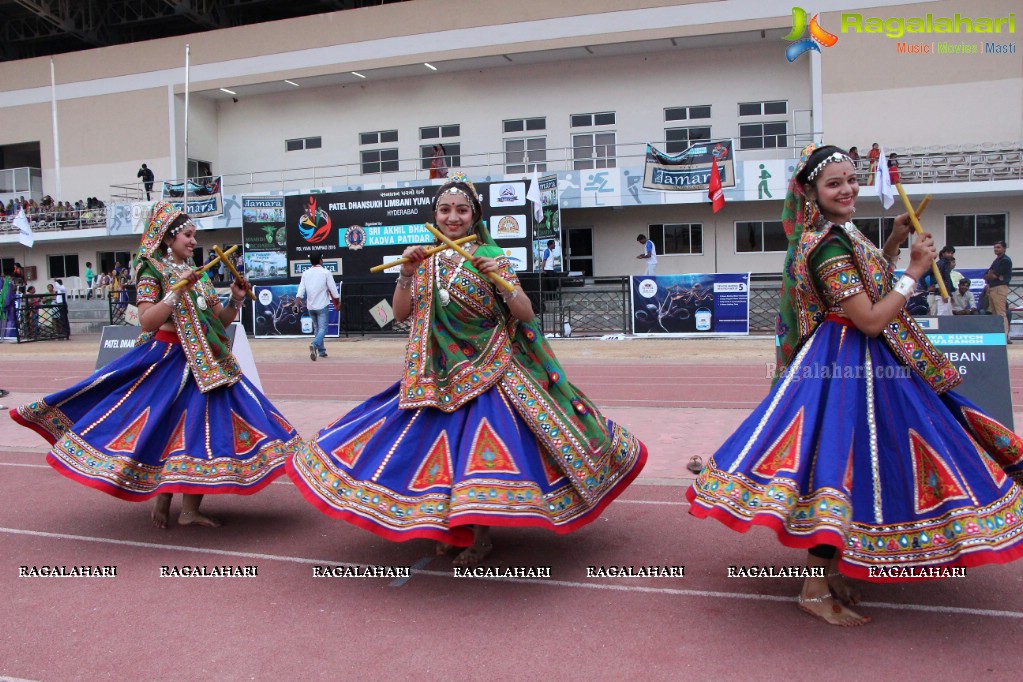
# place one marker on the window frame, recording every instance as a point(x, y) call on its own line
point(763, 242)
point(657, 233)
point(951, 236)
point(364, 163)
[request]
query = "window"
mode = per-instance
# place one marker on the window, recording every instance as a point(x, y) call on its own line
point(756, 236)
point(301, 143)
point(452, 155)
point(108, 259)
point(876, 231)
point(63, 266)
point(685, 113)
point(678, 140)
point(678, 238)
point(982, 229)
point(379, 161)
point(763, 135)
point(521, 153)
point(763, 108)
point(593, 150)
point(518, 125)
point(606, 118)
point(378, 137)
point(436, 132)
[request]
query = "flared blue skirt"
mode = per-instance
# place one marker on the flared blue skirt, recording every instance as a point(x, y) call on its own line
point(140, 426)
point(425, 473)
point(854, 450)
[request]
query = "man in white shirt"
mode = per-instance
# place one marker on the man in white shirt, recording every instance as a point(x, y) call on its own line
point(649, 253)
point(963, 302)
point(318, 284)
point(61, 290)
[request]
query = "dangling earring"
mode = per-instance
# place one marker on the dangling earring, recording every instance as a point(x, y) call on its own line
point(170, 252)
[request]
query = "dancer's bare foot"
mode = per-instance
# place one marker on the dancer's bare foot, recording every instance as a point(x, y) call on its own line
point(842, 590)
point(161, 511)
point(470, 557)
point(194, 518)
point(828, 609)
point(481, 547)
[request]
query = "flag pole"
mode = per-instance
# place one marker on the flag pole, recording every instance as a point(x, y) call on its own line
point(185, 184)
point(56, 133)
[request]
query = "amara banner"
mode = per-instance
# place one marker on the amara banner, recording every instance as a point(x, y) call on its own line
point(264, 237)
point(691, 304)
point(691, 169)
point(204, 199)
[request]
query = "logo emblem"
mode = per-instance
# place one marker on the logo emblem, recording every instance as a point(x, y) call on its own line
point(355, 237)
point(818, 36)
point(314, 225)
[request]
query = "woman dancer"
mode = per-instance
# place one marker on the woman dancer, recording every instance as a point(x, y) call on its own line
point(861, 453)
point(174, 414)
point(483, 429)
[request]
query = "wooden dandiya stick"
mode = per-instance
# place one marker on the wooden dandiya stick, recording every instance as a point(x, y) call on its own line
point(494, 277)
point(234, 271)
point(920, 230)
point(182, 283)
point(429, 252)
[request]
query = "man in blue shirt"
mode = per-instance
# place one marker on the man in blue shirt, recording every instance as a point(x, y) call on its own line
point(997, 278)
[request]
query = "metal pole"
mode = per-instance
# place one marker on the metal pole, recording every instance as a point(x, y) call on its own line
point(187, 55)
point(56, 135)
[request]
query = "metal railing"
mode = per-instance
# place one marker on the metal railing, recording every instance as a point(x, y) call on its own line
point(50, 221)
point(41, 317)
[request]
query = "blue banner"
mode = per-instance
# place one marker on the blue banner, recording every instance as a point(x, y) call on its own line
point(690, 304)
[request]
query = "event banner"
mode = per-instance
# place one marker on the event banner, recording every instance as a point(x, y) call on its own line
point(368, 227)
point(204, 199)
point(689, 170)
point(690, 304)
point(279, 314)
point(265, 238)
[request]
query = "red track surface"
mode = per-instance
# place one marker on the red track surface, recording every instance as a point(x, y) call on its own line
point(286, 624)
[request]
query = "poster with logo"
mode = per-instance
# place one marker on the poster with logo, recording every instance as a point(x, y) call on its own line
point(690, 304)
point(265, 238)
point(278, 314)
point(550, 226)
point(205, 198)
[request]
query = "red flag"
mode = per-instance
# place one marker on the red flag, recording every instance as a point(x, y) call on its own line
point(717, 197)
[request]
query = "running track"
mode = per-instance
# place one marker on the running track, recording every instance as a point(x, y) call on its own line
point(286, 624)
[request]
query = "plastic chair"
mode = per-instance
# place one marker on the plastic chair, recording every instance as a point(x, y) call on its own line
point(75, 287)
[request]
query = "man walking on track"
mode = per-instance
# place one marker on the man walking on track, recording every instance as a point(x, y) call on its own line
point(318, 285)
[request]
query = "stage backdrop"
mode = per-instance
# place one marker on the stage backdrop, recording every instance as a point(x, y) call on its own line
point(690, 304)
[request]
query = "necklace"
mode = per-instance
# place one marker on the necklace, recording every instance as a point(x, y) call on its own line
point(180, 269)
point(442, 291)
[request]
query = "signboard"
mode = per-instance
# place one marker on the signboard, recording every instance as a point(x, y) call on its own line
point(265, 238)
point(278, 314)
point(690, 304)
point(689, 170)
point(975, 345)
point(205, 198)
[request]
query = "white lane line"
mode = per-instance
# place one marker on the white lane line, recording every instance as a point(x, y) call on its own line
point(928, 608)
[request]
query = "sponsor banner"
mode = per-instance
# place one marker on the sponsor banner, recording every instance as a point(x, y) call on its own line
point(279, 314)
point(264, 237)
point(550, 226)
point(691, 169)
point(204, 198)
point(690, 304)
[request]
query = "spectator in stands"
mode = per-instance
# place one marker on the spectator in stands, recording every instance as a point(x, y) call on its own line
point(147, 179)
point(874, 156)
point(893, 168)
point(854, 153)
point(962, 300)
point(438, 164)
point(102, 285)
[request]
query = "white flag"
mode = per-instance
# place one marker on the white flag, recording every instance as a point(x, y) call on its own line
point(534, 195)
point(883, 182)
point(24, 229)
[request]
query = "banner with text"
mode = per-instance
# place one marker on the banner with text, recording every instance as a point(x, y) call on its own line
point(265, 238)
point(690, 304)
point(689, 170)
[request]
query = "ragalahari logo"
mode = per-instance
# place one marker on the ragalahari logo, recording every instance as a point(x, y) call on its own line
point(818, 36)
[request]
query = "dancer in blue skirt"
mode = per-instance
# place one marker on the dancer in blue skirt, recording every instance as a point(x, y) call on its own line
point(862, 453)
point(483, 429)
point(175, 414)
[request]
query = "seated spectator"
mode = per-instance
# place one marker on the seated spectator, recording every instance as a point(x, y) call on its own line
point(854, 154)
point(963, 302)
point(102, 285)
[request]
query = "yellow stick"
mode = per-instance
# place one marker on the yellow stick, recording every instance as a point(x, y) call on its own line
point(920, 230)
point(429, 252)
point(494, 277)
point(182, 283)
point(234, 271)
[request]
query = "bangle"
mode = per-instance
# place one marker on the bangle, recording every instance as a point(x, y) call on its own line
point(404, 281)
point(892, 259)
point(905, 286)
point(237, 304)
point(508, 298)
point(171, 299)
